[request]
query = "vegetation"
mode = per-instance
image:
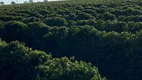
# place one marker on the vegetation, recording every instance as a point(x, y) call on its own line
point(107, 36)
point(21, 63)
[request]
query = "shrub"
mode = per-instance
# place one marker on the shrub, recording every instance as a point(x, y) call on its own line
point(55, 21)
point(14, 30)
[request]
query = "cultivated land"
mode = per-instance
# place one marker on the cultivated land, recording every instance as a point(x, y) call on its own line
point(40, 40)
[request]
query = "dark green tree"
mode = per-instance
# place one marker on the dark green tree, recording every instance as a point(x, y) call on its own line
point(13, 2)
point(55, 21)
point(2, 3)
point(14, 30)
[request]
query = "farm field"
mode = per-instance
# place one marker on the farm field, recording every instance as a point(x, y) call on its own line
point(71, 40)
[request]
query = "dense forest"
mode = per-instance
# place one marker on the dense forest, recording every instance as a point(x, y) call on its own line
point(71, 41)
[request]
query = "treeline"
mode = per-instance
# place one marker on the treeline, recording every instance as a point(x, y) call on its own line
point(107, 35)
point(25, 2)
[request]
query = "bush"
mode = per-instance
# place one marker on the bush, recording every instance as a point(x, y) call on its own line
point(14, 30)
point(55, 21)
point(109, 16)
point(64, 69)
point(84, 16)
point(21, 63)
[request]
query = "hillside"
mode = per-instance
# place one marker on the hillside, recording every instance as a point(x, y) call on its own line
point(102, 34)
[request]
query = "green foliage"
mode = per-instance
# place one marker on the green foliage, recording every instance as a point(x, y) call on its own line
point(108, 35)
point(21, 63)
point(36, 30)
point(56, 21)
point(84, 16)
point(64, 69)
point(109, 16)
point(14, 30)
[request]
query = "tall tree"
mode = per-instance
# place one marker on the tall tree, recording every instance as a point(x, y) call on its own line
point(13, 2)
point(31, 1)
point(2, 3)
point(45, 0)
point(25, 2)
